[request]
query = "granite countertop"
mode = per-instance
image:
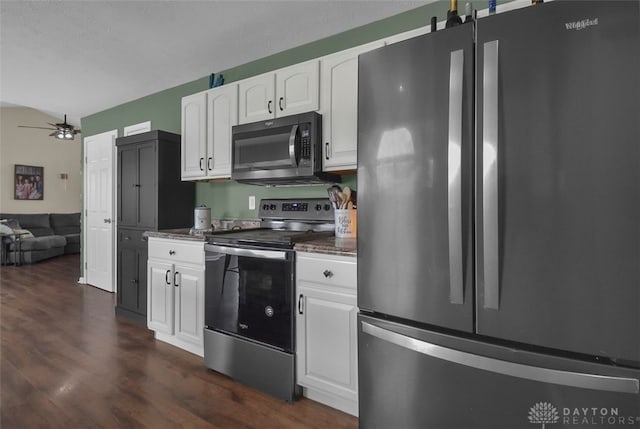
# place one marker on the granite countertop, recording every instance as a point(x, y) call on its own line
point(217, 224)
point(330, 245)
point(179, 234)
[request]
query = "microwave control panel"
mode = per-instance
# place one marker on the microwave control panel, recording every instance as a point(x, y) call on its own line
point(305, 143)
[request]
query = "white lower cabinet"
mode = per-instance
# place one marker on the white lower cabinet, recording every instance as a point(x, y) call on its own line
point(326, 334)
point(175, 273)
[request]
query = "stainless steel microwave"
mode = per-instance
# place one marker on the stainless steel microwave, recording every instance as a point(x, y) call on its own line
point(281, 151)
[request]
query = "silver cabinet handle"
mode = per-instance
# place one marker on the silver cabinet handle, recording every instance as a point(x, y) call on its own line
point(534, 373)
point(327, 273)
point(280, 104)
point(269, 106)
point(108, 220)
point(175, 278)
point(292, 146)
point(300, 310)
point(252, 253)
point(490, 245)
point(166, 277)
point(456, 287)
point(209, 163)
point(201, 164)
point(172, 252)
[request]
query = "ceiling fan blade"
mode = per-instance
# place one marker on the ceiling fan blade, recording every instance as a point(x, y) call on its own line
point(54, 125)
point(53, 133)
point(40, 128)
point(77, 131)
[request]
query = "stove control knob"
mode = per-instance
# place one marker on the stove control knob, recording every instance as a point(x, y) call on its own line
point(327, 207)
point(318, 207)
point(272, 206)
point(265, 207)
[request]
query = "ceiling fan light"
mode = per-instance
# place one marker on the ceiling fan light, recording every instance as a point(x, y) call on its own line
point(60, 135)
point(68, 135)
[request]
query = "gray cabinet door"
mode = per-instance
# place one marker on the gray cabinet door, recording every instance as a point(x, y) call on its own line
point(132, 271)
point(148, 185)
point(558, 253)
point(127, 186)
point(415, 153)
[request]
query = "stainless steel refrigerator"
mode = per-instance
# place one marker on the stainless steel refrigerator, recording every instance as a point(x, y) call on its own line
point(499, 223)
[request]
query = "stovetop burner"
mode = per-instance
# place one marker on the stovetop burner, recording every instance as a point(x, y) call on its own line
point(284, 223)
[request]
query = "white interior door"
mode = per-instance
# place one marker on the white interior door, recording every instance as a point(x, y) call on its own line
point(99, 210)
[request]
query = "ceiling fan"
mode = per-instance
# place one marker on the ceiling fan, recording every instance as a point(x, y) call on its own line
point(62, 131)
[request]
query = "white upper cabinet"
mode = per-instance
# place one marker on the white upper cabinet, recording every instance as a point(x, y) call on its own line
point(339, 101)
point(222, 114)
point(298, 89)
point(256, 98)
point(287, 91)
point(194, 135)
point(207, 118)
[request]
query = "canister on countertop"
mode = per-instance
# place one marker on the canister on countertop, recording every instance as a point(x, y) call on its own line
point(202, 218)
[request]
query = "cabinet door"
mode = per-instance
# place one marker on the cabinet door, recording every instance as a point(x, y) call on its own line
point(339, 101)
point(256, 98)
point(127, 186)
point(127, 275)
point(142, 255)
point(298, 89)
point(222, 114)
point(189, 304)
point(160, 296)
point(326, 340)
point(147, 186)
point(194, 136)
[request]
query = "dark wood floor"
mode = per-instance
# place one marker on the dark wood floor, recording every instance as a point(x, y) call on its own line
point(68, 362)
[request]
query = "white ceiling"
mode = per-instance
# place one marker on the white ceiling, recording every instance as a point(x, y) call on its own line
point(81, 57)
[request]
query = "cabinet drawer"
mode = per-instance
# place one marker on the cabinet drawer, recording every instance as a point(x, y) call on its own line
point(330, 270)
point(189, 252)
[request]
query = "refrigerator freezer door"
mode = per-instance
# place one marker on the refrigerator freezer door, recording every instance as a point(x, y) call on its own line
point(413, 378)
point(558, 177)
point(414, 182)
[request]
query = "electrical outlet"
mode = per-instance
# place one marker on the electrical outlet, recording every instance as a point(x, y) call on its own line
point(252, 202)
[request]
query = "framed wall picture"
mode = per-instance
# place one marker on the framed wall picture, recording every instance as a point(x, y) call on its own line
point(28, 183)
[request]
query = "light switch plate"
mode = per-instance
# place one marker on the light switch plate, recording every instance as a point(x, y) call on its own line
point(252, 202)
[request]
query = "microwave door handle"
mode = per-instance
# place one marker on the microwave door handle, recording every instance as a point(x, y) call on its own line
point(292, 146)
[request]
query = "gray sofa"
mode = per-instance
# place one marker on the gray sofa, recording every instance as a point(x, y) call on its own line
point(54, 234)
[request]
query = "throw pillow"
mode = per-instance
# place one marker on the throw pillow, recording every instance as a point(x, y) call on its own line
point(4, 229)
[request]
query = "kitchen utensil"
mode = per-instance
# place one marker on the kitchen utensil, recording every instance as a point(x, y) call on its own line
point(346, 196)
point(335, 196)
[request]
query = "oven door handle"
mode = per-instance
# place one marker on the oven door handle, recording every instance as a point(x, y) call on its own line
point(252, 253)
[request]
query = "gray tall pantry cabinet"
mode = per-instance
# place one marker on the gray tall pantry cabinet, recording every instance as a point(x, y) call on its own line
point(150, 197)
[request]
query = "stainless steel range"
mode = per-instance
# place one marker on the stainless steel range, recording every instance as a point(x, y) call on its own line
point(249, 294)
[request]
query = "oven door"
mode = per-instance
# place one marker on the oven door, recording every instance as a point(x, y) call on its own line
point(249, 293)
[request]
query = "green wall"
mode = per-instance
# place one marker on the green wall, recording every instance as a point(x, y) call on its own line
point(229, 199)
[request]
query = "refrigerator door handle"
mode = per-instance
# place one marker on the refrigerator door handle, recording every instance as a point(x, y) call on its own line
point(456, 291)
point(511, 369)
point(490, 245)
